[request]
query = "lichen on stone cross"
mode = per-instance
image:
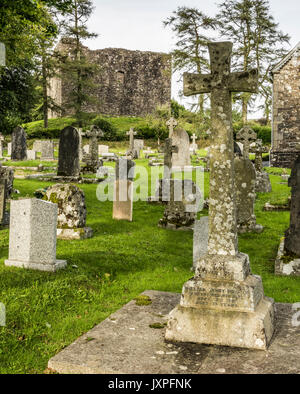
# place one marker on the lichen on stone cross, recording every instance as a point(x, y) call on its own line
point(259, 150)
point(171, 123)
point(221, 83)
point(246, 135)
point(169, 149)
point(131, 134)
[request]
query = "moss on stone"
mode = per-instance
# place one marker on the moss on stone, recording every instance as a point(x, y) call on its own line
point(158, 325)
point(143, 300)
point(287, 258)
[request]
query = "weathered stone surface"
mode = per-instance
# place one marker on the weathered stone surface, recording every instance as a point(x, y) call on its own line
point(18, 144)
point(69, 149)
point(132, 151)
point(263, 183)
point(37, 145)
point(125, 343)
point(123, 190)
point(32, 235)
point(292, 235)
point(224, 303)
point(286, 116)
point(171, 123)
point(47, 150)
point(183, 204)
point(8, 174)
point(71, 218)
point(286, 264)
point(103, 149)
point(245, 181)
point(246, 135)
point(181, 140)
point(200, 239)
point(128, 82)
point(9, 149)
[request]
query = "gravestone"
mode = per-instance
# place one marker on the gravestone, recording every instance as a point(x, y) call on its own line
point(86, 149)
point(69, 148)
point(171, 123)
point(194, 146)
point(103, 149)
point(131, 133)
point(245, 182)
point(18, 144)
point(200, 239)
point(31, 154)
point(224, 304)
point(7, 173)
point(263, 183)
point(37, 145)
point(9, 149)
point(71, 219)
point(47, 150)
point(3, 194)
point(32, 235)
point(92, 159)
point(181, 140)
point(292, 235)
point(123, 190)
point(183, 204)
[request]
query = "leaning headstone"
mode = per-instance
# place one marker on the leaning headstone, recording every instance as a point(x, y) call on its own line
point(31, 154)
point(224, 304)
point(292, 235)
point(69, 148)
point(200, 239)
point(123, 190)
point(71, 220)
point(245, 181)
point(18, 144)
point(183, 204)
point(32, 235)
point(181, 140)
point(263, 183)
point(47, 150)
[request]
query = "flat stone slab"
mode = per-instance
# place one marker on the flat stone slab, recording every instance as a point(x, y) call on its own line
point(125, 343)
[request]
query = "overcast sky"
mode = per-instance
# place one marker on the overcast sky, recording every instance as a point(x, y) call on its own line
point(137, 24)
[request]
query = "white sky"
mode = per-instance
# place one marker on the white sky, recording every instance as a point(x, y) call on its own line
point(137, 24)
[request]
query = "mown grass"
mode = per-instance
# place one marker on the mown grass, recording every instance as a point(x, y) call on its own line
point(46, 312)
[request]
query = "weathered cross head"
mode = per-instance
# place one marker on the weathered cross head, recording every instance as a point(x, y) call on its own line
point(221, 76)
point(131, 133)
point(246, 135)
point(95, 132)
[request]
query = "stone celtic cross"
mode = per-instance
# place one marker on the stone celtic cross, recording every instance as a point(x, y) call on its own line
point(131, 134)
point(221, 82)
point(171, 123)
point(94, 134)
point(246, 135)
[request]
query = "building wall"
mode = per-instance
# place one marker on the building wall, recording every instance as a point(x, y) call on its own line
point(130, 83)
point(286, 113)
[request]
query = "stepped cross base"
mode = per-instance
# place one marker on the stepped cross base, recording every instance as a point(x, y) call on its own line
point(224, 304)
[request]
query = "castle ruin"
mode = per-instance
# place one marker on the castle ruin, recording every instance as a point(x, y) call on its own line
point(129, 83)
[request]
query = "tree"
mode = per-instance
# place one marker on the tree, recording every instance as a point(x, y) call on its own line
point(256, 37)
point(189, 25)
point(76, 67)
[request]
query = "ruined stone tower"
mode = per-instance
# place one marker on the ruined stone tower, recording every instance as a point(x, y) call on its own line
point(286, 110)
point(129, 82)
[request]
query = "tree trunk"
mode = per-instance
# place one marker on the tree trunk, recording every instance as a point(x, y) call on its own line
point(45, 92)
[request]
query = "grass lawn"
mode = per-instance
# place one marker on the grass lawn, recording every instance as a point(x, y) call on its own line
point(46, 312)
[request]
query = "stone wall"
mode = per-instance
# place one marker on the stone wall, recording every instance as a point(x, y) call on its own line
point(286, 111)
point(128, 83)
